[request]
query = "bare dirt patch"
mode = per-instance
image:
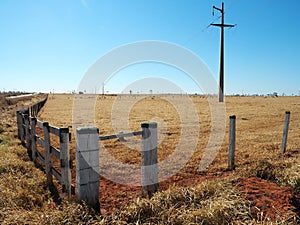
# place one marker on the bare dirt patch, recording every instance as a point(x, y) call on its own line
point(268, 199)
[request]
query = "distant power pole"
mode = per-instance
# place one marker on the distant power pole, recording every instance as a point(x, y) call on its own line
point(103, 88)
point(221, 75)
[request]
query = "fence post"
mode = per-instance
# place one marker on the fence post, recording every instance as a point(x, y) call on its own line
point(23, 128)
point(48, 165)
point(19, 124)
point(65, 162)
point(285, 131)
point(87, 166)
point(149, 159)
point(33, 138)
point(231, 149)
point(27, 132)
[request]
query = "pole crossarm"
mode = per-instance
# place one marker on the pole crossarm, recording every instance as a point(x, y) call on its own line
point(222, 25)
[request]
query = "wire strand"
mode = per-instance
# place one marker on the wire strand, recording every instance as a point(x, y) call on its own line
point(214, 20)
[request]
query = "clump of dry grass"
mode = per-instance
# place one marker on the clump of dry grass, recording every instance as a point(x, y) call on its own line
point(283, 170)
point(211, 202)
point(69, 213)
point(22, 187)
point(266, 170)
point(289, 175)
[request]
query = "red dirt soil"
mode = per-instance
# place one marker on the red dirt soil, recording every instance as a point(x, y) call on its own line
point(114, 196)
point(267, 198)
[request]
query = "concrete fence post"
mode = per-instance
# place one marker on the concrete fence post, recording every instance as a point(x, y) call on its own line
point(65, 161)
point(149, 159)
point(231, 149)
point(285, 131)
point(87, 166)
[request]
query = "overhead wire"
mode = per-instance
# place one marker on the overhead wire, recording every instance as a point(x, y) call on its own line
point(205, 28)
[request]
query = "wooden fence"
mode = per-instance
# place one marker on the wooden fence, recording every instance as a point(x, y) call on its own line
point(27, 132)
point(34, 109)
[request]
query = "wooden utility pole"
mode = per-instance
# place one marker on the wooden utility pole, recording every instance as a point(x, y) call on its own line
point(221, 76)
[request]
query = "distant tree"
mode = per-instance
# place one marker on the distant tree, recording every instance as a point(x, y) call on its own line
point(130, 91)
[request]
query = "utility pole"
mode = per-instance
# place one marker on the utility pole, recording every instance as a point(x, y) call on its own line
point(103, 88)
point(221, 75)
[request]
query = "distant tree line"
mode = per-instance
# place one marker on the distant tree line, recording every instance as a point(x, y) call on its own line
point(15, 92)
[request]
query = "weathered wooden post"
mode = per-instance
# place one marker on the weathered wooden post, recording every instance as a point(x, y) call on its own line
point(48, 164)
point(23, 128)
point(27, 131)
point(33, 133)
point(285, 131)
point(65, 162)
point(231, 149)
point(149, 159)
point(19, 123)
point(87, 166)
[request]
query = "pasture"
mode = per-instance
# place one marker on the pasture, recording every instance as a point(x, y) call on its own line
point(259, 125)
point(264, 187)
point(259, 128)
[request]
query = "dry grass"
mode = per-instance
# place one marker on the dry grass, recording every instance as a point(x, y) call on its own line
point(259, 126)
point(208, 203)
point(26, 199)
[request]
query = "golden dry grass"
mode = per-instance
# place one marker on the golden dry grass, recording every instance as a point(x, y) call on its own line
point(26, 199)
point(24, 195)
point(259, 125)
point(258, 139)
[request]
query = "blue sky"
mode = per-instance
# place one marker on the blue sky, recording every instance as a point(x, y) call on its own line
point(49, 45)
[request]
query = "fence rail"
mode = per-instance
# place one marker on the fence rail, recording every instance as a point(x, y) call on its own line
point(27, 134)
point(120, 135)
point(34, 109)
point(87, 161)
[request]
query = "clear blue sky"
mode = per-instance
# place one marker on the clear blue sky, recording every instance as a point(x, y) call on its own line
point(48, 45)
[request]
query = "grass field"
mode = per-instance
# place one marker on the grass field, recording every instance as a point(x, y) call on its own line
point(263, 189)
point(258, 139)
point(259, 125)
